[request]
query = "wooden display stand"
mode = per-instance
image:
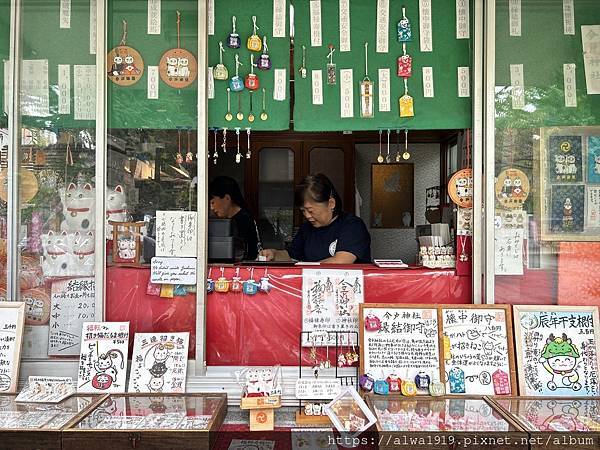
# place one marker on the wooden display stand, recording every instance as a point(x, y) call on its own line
point(262, 411)
point(304, 420)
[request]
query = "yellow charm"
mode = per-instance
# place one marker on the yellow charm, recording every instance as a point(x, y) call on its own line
point(447, 353)
point(409, 388)
point(222, 285)
point(406, 106)
point(166, 290)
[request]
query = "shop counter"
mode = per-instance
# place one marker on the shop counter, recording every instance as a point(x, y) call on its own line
point(150, 421)
point(432, 423)
point(555, 423)
point(38, 425)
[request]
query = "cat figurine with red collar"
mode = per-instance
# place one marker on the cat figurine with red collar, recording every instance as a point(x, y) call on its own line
point(116, 208)
point(78, 208)
point(56, 254)
point(81, 253)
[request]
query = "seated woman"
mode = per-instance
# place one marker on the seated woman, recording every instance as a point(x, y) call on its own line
point(329, 235)
point(227, 202)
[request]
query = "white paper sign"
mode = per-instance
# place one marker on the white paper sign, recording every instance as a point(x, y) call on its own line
point(590, 37)
point(426, 32)
point(72, 303)
point(64, 89)
point(153, 82)
point(159, 363)
point(317, 87)
point(464, 82)
point(321, 389)
point(85, 92)
point(330, 300)
point(514, 18)
point(592, 219)
point(383, 15)
point(46, 390)
point(479, 347)
point(518, 88)
point(279, 90)
point(344, 8)
point(346, 93)
point(462, 19)
point(35, 100)
point(12, 320)
point(211, 17)
point(568, 17)
point(92, 27)
point(210, 87)
point(570, 85)
point(428, 91)
point(279, 15)
point(173, 270)
point(154, 17)
point(384, 90)
point(176, 233)
point(406, 342)
point(509, 251)
point(103, 359)
point(65, 13)
point(316, 39)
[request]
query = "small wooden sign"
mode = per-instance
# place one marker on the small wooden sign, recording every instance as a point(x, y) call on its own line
point(125, 65)
point(512, 188)
point(178, 68)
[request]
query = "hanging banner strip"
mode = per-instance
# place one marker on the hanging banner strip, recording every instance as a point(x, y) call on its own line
point(514, 19)
point(210, 88)
point(84, 98)
point(384, 90)
point(65, 13)
point(425, 35)
point(153, 78)
point(383, 15)
point(568, 17)
point(346, 93)
point(279, 90)
point(516, 81)
point(64, 89)
point(316, 39)
point(428, 82)
point(211, 17)
point(464, 82)
point(153, 16)
point(462, 19)
point(590, 39)
point(317, 87)
point(570, 85)
point(344, 25)
point(92, 27)
point(279, 14)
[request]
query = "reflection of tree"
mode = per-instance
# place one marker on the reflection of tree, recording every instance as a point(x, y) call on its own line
point(517, 130)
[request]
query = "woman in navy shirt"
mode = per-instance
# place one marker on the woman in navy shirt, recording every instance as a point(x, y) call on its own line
point(329, 235)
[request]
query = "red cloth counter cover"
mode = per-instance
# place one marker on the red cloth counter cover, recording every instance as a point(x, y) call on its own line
point(262, 329)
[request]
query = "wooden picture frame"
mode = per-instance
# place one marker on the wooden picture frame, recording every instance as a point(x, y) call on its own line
point(122, 253)
point(9, 382)
point(565, 382)
point(392, 195)
point(550, 224)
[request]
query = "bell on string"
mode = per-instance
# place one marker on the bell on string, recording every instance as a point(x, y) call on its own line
point(264, 62)
point(233, 40)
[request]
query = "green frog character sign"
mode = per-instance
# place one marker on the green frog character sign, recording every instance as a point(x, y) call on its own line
point(559, 357)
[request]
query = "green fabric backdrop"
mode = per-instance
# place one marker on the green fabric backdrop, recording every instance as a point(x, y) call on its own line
point(446, 110)
point(279, 52)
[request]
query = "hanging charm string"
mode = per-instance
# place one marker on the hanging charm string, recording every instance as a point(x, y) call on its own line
point(404, 12)
point(406, 139)
point(237, 64)
point(179, 140)
point(366, 61)
point(265, 48)
point(404, 48)
point(188, 139)
point(124, 37)
point(178, 35)
point(405, 86)
point(233, 24)
point(221, 51)
point(254, 24)
point(330, 54)
point(69, 156)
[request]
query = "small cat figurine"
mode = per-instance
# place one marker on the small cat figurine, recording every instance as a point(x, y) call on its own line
point(78, 208)
point(56, 254)
point(126, 248)
point(116, 208)
point(81, 252)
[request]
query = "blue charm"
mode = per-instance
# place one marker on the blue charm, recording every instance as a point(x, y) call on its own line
point(381, 387)
point(210, 285)
point(236, 84)
point(366, 382)
point(404, 29)
point(250, 287)
point(456, 377)
point(422, 380)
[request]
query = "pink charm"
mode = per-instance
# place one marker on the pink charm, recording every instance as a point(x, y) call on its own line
point(501, 382)
point(405, 66)
point(372, 323)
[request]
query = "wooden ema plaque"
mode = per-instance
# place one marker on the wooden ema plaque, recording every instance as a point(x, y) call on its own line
point(125, 64)
point(178, 67)
point(460, 188)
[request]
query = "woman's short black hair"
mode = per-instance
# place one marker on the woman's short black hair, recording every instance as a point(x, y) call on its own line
point(222, 186)
point(318, 188)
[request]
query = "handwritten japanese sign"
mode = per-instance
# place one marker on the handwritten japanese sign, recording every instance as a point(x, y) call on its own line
point(509, 251)
point(557, 350)
point(313, 389)
point(159, 362)
point(330, 300)
point(72, 303)
point(477, 345)
point(103, 358)
point(12, 320)
point(35, 99)
point(399, 340)
point(176, 233)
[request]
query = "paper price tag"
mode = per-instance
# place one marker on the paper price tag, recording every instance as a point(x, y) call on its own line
point(384, 90)
point(153, 78)
point(64, 89)
point(428, 91)
point(464, 82)
point(317, 87)
point(346, 93)
point(570, 85)
point(518, 91)
point(279, 91)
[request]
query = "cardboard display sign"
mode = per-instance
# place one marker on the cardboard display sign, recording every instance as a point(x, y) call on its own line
point(12, 321)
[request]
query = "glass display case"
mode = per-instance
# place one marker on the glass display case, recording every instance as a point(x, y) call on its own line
point(442, 422)
point(555, 423)
point(129, 421)
point(39, 425)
